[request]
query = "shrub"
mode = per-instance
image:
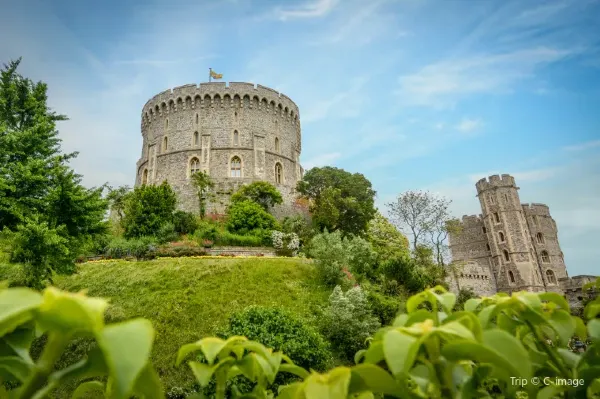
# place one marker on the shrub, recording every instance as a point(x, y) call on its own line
point(166, 233)
point(334, 253)
point(247, 216)
point(179, 251)
point(408, 273)
point(263, 193)
point(226, 238)
point(206, 231)
point(282, 331)
point(139, 248)
point(285, 244)
point(147, 209)
point(348, 322)
point(300, 225)
point(184, 222)
point(384, 307)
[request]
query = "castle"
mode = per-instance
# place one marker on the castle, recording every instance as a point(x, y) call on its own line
point(510, 246)
point(237, 133)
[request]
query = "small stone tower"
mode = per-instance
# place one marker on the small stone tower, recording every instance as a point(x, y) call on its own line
point(514, 263)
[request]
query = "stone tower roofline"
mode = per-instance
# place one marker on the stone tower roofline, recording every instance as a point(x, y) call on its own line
point(536, 209)
point(495, 181)
point(203, 94)
point(472, 220)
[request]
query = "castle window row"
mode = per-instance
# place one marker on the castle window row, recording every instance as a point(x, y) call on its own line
point(475, 276)
point(235, 140)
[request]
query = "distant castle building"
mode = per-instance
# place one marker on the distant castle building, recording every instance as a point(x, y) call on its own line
point(510, 246)
point(237, 133)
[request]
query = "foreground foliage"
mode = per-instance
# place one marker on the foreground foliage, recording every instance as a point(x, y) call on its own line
point(504, 340)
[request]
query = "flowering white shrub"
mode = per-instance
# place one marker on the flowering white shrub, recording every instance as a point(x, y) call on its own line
point(285, 243)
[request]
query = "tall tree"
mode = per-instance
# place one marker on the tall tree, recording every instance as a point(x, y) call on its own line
point(203, 184)
point(386, 239)
point(37, 186)
point(147, 209)
point(339, 199)
point(426, 217)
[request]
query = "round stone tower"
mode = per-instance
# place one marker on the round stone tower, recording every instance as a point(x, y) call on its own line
point(237, 132)
point(514, 260)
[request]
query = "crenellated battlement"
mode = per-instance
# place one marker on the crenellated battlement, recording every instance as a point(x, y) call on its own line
point(536, 209)
point(232, 94)
point(495, 181)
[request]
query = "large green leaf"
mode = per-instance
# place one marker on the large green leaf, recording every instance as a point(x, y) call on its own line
point(555, 298)
point(20, 341)
point(469, 320)
point(499, 349)
point(368, 377)
point(594, 330)
point(293, 369)
point(203, 372)
point(210, 347)
point(86, 389)
point(564, 325)
point(148, 384)
point(17, 367)
point(16, 307)
point(486, 314)
point(126, 347)
point(68, 313)
point(400, 351)
point(333, 385)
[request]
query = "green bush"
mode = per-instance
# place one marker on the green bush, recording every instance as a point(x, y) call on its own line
point(282, 331)
point(226, 238)
point(244, 217)
point(384, 307)
point(333, 254)
point(408, 273)
point(206, 231)
point(261, 192)
point(348, 322)
point(139, 248)
point(147, 209)
point(184, 222)
point(166, 233)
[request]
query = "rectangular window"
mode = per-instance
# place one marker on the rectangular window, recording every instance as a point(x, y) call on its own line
point(496, 217)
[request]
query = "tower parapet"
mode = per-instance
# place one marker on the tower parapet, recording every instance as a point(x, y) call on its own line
point(536, 209)
point(495, 181)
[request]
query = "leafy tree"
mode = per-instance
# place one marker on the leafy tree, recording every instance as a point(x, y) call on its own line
point(203, 183)
point(386, 239)
point(339, 199)
point(248, 217)
point(36, 182)
point(29, 147)
point(117, 198)
point(428, 219)
point(40, 248)
point(147, 209)
point(184, 222)
point(263, 193)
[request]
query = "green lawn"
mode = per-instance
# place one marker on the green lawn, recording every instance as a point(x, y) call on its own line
point(187, 299)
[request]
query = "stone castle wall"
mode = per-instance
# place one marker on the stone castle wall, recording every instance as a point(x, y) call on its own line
point(517, 243)
point(210, 124)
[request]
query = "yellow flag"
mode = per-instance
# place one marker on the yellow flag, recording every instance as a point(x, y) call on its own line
point(215, 75)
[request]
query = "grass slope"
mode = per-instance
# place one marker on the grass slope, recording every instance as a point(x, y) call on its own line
point(187, 299)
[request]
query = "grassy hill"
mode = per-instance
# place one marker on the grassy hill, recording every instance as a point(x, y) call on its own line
point(189, 298)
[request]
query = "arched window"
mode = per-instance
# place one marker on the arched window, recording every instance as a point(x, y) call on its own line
point(194, 165)
point(236, 137)
point(278, 173)
point(545, 257)
point(196, 138)
point(511, 276)
point(506, 256)
point(276, 144)
point(501, 236)
point(236, 167)
point(540, 238)
point(145, 177)
point(496, 217)
point(165, 143)
point(550, 276)
point(487, 246)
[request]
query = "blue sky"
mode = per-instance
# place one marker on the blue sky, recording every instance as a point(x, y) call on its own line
point(414, 94)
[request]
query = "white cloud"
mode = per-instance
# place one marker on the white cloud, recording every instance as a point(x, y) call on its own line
point(321, 160)
point(468, 125)
point(313, 9)
point(583, 146)
point(443, 83)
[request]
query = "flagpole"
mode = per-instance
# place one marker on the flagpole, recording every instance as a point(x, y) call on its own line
point(209, 74)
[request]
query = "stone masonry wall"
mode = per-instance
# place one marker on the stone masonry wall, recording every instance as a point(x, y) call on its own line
point(210, 124)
